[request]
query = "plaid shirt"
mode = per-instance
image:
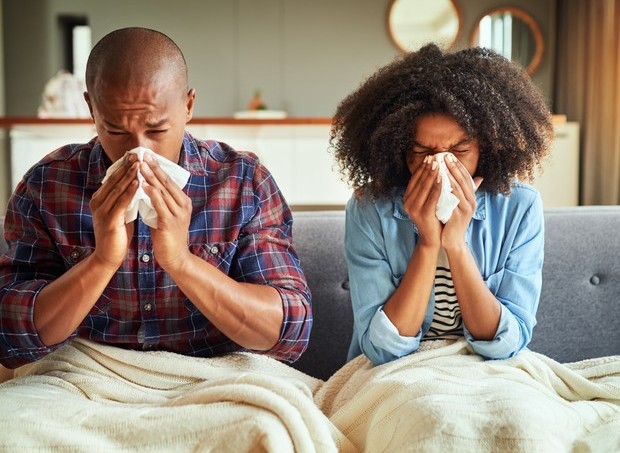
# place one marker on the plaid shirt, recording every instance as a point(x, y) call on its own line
point(240, 224)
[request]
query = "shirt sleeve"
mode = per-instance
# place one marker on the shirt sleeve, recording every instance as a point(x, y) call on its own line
point(372, 283)
point(265, 255)
point(31, 262)
point(517, 286)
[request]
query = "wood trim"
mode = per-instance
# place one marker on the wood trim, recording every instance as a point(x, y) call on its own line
point(529, 21)
point(8, 122)
point(398, 45)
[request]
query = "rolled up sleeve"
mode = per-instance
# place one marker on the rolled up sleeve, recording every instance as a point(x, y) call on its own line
point(30, 263)
point(266, 255)
point(372, 284)
point(517, 287)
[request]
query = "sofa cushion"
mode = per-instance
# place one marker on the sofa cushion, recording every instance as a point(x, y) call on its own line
point(579, 311)
point(318, 238)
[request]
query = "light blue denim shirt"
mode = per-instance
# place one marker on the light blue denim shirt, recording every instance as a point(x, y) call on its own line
point(506, 238)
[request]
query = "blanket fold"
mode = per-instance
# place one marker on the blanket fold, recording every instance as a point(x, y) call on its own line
point(446, 398)
point(92, 397)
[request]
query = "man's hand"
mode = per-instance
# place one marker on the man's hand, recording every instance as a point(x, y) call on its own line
point(174, 211)
point(108, 206)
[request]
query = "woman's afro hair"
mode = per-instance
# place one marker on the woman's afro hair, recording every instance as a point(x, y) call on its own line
point(490, 97)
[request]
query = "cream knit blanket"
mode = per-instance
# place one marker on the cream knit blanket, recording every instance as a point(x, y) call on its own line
point(92, 397)
point(447, 399)
point(96, 398)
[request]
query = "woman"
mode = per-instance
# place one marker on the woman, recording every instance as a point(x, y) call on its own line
point(412, 277)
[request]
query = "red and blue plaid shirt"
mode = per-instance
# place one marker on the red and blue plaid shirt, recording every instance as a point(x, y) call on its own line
point(240, 224)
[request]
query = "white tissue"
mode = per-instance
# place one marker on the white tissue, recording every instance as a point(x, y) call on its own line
point(141, 202)
point(447, 200)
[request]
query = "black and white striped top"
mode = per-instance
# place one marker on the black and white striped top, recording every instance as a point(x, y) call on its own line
point(447, 322)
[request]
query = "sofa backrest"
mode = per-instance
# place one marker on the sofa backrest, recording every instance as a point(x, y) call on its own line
point(318, 239)
point(579, 310)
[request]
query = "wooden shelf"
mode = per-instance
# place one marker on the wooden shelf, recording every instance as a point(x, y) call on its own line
point(7, 122)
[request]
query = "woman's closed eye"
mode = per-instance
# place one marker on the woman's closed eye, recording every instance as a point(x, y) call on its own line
point(421, 151)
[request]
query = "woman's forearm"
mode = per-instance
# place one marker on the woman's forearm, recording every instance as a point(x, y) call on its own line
point(480, 309)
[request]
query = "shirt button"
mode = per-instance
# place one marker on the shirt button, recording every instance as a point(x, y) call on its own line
point(213, 250)
point(147, 307)
point(75, 254)
point(145, 258)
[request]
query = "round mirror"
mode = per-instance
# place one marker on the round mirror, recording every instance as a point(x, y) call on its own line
point(513, 33)
point(413, 23)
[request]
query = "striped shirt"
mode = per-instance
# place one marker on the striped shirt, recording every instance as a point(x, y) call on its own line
point(240, 224)
point(447, 322)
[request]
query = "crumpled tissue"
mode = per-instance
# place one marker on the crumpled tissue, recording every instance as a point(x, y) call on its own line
point(141, 202)
point(447, 200)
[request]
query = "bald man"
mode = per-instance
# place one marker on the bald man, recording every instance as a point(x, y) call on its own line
point(217, 274)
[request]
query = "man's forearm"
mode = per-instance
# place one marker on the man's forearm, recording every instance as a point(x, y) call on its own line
point(64, 303)
point(251, 315)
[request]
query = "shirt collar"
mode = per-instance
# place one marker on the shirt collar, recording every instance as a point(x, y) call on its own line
point(400, 213)
point(97, 165)
point(189, 158)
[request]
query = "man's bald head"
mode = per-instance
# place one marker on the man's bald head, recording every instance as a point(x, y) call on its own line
point(135, 56)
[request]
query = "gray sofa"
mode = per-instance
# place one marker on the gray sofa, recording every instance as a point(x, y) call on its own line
point(579, 311)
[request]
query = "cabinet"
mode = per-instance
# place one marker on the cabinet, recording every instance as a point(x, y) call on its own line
point(559, 181)
point(296, 151)
point(296, 155)
point(30, 143)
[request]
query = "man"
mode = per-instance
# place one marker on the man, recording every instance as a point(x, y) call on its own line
point(218, 274)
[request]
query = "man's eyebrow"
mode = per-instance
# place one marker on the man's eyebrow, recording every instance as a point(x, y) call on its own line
point(112, 125)
point(156, 124)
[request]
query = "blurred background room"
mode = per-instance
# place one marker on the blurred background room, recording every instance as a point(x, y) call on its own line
point(270, 73)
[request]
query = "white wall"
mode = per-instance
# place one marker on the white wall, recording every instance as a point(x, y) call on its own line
point(304, 55)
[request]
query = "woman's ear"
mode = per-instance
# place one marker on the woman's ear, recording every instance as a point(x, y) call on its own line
point(409, 160)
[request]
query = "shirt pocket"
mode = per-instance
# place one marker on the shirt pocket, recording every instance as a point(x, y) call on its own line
point(396, 279)
point(73, 254)
point(219, 254)
point(494, 281)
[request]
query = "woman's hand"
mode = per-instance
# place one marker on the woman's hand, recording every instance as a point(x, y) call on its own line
point(420, 200)
point(453, 234)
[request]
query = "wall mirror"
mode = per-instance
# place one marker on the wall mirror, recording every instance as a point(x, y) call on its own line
point(413, 23)
point(513, 33)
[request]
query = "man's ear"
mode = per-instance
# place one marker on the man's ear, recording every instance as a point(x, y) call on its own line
point(90, 106)
point(189, 107)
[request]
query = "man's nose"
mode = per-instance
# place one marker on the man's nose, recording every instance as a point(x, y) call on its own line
point(137, 140)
